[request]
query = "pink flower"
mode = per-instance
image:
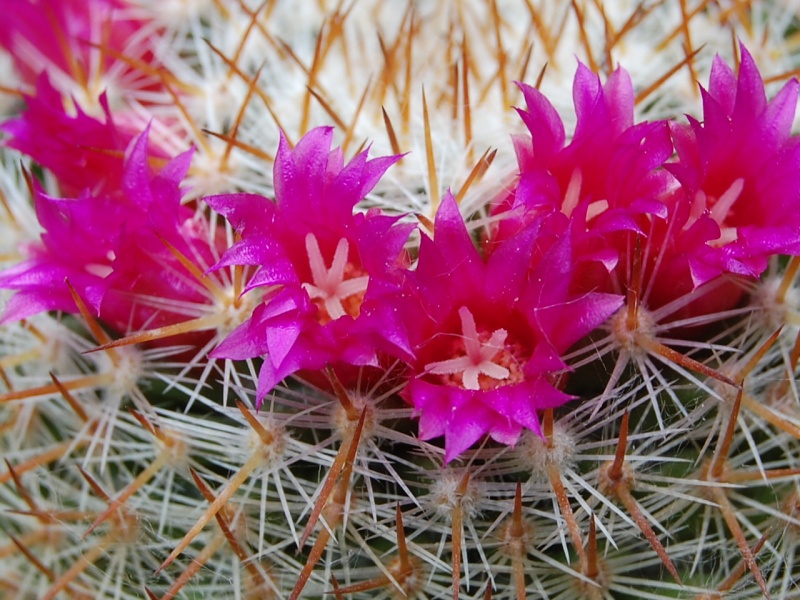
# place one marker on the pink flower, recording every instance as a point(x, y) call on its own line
point(738, 171)
point(83, 152)
point(609, 163)
point(329, 274)
point(488, 335)
point(607, 180)
point(111, 248)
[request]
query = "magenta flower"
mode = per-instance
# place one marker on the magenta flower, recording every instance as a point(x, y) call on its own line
point(83, 152)
point(738, 173)
point(607, 180)
point(610, 164)
point(110, 247)
point(488, 335)
point(329, 274)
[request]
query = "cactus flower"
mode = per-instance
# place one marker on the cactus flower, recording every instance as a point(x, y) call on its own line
point(737, 169)
point(607, 180)
point(82, 151)
point(330, 274)
point(111, 247)
point(609, 167)
point(488, 334)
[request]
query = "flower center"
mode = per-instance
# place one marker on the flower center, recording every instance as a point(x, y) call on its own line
point(484, 361)
point(339, 290)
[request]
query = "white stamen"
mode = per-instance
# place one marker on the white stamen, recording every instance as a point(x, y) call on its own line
point(699, 204)
point(697, 208)
point(478, 358)
point(726, 200)
point(727, 235)
point(573, 193)
point(329, 285)
point(598, 207)
point(98, 269)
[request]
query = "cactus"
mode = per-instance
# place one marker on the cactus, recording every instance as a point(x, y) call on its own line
point(466, 386)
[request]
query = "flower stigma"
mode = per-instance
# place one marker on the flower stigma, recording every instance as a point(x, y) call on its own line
point(339, 290)
point(485, 364)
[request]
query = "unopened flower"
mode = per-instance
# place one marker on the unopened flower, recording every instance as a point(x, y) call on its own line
point(330, 273)
point(488, 335)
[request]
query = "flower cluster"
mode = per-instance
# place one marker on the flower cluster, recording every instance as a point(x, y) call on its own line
point(478, 322)
point(722, 206)
point(480, 339)
point(311, 299)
